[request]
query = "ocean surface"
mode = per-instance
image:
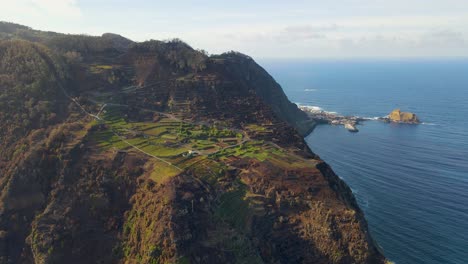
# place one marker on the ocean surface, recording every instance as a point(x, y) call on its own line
point(410, 180)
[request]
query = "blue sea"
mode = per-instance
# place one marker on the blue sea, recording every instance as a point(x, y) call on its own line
point(410, 180)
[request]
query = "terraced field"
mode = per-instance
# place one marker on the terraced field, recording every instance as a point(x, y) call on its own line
point(177, 145)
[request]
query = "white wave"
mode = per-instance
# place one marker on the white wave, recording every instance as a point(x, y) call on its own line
point(375, 118)
point(428, 124)
point(315, 109)
point(309, 107)
point(310, 90)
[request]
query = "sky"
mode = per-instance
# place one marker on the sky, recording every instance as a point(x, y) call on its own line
point(265, 29)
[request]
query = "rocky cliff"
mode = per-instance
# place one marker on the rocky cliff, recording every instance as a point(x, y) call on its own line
point(121, 152)
point(398, 116)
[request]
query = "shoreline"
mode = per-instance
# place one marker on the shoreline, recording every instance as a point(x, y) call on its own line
point(321, 117)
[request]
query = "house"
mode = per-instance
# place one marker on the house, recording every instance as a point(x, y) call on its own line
point(192, 153)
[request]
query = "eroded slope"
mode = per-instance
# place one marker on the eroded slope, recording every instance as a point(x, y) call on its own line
point(120, 152)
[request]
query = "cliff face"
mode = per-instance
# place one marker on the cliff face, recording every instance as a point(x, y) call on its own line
point(403, 117)
point(122, 152)
point(247, 72)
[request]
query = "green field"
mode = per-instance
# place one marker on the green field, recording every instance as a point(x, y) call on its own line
point(199, 148)
point(168, 139)
point(162, 172)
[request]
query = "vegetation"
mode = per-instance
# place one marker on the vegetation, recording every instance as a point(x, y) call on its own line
point(100, 68)
point(182, 144)
point(30, 88)
point(234, 208)
point(77, 191)
point(176, 53)
point(162, 172)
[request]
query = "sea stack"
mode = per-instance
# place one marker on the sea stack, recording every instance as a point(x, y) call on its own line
point(398, 116)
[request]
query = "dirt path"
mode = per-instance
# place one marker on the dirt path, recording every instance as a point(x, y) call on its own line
point(114, 132)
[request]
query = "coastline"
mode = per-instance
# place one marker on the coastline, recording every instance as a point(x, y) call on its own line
point(387, 162)
point(319, 116)
point(345, 192)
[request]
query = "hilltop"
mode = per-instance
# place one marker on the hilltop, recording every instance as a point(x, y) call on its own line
point(114, 151)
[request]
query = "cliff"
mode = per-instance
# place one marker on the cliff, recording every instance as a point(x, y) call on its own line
point(121, 152)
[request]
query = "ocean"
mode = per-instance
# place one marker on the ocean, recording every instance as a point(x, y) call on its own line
point(410, 180)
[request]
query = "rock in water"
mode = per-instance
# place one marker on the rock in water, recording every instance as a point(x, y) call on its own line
point(403, 117)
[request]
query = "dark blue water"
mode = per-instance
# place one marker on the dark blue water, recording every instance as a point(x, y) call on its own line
point(410, 180)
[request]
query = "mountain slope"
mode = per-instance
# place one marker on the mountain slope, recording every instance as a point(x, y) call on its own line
point(153, 152)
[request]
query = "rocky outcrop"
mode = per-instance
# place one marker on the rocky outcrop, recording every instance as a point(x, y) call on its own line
point(398, 116)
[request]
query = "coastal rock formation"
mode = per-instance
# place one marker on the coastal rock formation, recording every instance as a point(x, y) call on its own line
point(119, 152)
point(322, 117)
point(403, 117)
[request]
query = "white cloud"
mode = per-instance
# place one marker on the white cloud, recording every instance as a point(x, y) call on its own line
point(300, 28)
point(58, 7)
point(32, 12)
point(444, 38)
point(362, 36)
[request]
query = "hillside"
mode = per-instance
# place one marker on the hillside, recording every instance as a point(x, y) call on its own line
point(120, 152)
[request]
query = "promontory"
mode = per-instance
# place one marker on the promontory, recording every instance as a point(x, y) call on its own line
point(113, 151)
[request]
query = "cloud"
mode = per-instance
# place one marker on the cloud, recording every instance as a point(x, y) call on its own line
point(431, 43)
point(58, 7)
point(30, 10)
point(337, 28)
point(338, 41)
point(304, 33)
point(444, 38)
point(272, 34)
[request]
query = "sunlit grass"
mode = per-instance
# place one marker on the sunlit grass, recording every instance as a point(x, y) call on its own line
point(162, 172)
